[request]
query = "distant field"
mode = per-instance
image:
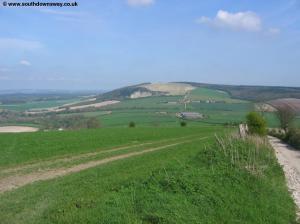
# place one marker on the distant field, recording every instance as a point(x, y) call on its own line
point(146, 111)
point(37, 104)
point(159, 111)
point(211, 94)
point(253, 93)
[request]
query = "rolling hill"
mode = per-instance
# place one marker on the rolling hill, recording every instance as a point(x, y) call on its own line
point(250, 93)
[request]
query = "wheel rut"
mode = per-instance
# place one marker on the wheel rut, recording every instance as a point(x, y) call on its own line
point(15, 181)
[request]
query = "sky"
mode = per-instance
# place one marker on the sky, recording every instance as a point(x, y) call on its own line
point(106, 44)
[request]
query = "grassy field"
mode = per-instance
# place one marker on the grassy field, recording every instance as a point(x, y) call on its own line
point(199, 181)
point(160, 111)
point(204, 94)
point(29, 147)
point(37, 104)
point(147, 112)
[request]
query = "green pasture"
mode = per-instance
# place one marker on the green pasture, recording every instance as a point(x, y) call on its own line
point(203, 94)
point(37, 104)
point(196, 182)
point(38, 146)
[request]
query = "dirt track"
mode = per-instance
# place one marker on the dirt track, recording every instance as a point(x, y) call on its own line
point(19, 180)
point(290, 160)
point(69, 158)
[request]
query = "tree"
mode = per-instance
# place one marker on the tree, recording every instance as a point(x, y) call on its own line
point(131, 124)
point(285, 115)
point(92, 122)
point(256, 124)
point(183, 123)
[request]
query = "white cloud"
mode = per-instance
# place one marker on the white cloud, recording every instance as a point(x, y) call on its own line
point(246, 21)
point(19, 44)
point(140, 2)
point(25, 63)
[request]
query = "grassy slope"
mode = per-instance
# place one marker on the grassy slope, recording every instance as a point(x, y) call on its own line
point(211, 94)
point(191, 183)
point(254, 93)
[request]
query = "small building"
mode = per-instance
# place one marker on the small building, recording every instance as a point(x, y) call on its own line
point(190, 115)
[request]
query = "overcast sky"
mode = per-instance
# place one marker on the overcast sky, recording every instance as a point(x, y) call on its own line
point(106, 44)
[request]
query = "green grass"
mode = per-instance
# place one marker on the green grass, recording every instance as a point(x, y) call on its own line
point(153, 103)
point(140, 117)
point(29, 147)
point(273, 121)
point(86, 114)
point(145, 112)
point(198, 182)
point(204, 94)
point(37, 104)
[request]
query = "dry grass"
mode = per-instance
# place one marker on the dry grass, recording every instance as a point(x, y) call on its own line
point(170, 88)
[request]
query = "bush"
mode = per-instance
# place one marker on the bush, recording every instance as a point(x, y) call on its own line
point(278, 133)
point(286, 115)
point(131, 124)
point(293, 138)
point(256, 124)
point(183, 123)
point(93, 122)
point(70, 122)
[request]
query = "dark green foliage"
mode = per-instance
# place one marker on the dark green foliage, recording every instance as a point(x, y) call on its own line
point(292, 137)
point(278, 133)
point(93, 122)
point(286, 116)
point(231, 124)
point(131, 124)
point(72, 122)
point(183, 123)
point(256, 124)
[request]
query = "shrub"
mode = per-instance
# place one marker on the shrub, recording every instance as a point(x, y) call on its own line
point(183, 123)
point(278, 133)
point(131, 124)
point(286, 115)
point(293, 138)
point(92, 122)
point(256, 124)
